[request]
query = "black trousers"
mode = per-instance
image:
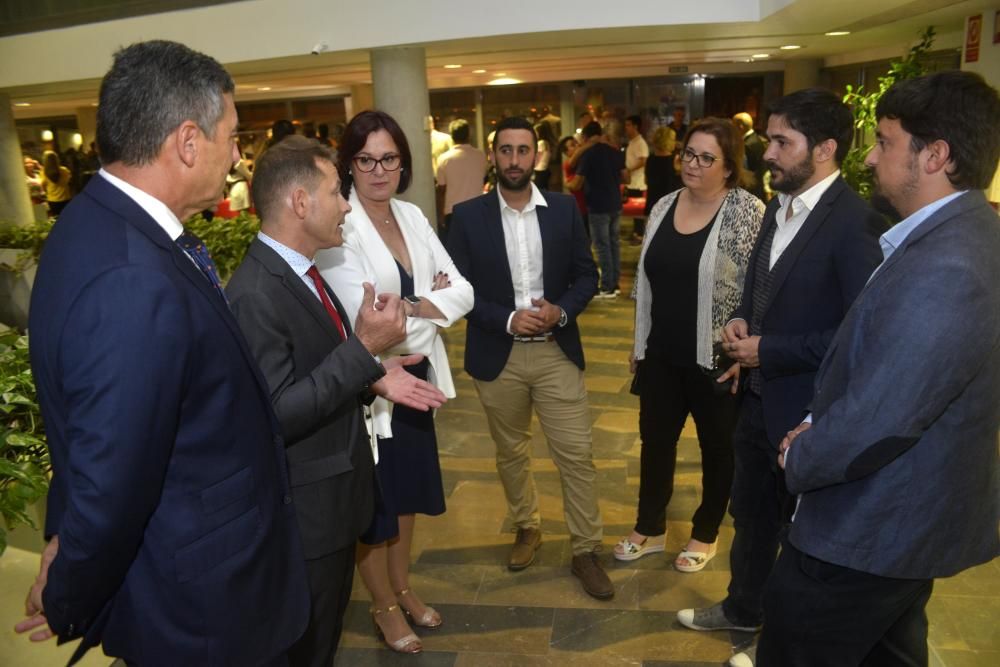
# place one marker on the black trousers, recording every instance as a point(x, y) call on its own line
point(761, 508)
point(825, 615)
point(667, 394)
point(330, 581)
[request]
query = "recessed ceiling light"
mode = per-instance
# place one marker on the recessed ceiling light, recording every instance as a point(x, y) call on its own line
point(761, 55)
point(22, 104)
point(837, 33)
point(452, 66)
point(502, 81)
point(790, 47)
point(479, 71)
point(264, 88)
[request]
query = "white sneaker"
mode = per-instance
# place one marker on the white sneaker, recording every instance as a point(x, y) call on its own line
point(745, 659)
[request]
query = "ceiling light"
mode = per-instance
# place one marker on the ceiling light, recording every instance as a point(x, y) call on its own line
point(790, 47)
point(264, 88)
point(837, 33)
point(761, 55)
point(501, 73)
point(22, 104)
point(47, 135)
point(452, 66)
point(479, 71)
point(502, 81)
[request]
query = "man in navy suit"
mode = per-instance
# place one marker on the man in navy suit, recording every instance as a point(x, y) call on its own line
point(526, 254)
point(320, 371)
point(173, 535)
point(818, 244)
point(898, 474)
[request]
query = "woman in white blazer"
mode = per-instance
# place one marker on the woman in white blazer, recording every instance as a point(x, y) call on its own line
point(390, 243)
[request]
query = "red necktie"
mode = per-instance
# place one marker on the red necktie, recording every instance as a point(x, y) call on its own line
point(324, 297)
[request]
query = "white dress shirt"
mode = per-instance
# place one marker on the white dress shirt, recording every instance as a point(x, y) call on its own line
point(156, 209)
point(793, 212)
point(523, 240)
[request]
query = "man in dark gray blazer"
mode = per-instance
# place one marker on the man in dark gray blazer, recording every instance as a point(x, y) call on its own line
point(319, 371)
point(898, 475)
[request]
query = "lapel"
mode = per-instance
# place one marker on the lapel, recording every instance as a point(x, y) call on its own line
point(280, 269)
point(493, 223)
point(817, 217)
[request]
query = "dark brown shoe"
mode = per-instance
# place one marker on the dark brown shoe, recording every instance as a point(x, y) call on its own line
point(523, 554)
point(587, 568)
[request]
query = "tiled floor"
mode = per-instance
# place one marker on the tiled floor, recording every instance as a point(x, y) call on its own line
point(540, 616)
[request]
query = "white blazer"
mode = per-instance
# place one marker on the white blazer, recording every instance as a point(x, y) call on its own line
point(364, 257)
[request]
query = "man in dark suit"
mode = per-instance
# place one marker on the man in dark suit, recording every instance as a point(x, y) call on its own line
point(173, 536)
point(753, 153)
point(818, 244)
point(319, 371)
point(899, 474)
point(525, 253)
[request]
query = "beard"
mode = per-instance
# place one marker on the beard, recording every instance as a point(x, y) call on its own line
point(512, 184)
point(791, 179)
point(886, 200)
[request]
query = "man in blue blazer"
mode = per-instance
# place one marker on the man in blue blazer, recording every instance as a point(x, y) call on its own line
point(173, 535)
point(817, 246)
point(526, 254)
point(899, 475)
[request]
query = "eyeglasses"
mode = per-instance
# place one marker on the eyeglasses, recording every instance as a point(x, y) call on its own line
point(705, 160)
point(366, 163)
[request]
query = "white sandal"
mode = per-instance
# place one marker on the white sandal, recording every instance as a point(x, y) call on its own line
point(698, 559)
point(628, 550)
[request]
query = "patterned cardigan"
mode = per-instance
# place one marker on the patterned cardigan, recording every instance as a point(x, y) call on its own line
point(721, 269)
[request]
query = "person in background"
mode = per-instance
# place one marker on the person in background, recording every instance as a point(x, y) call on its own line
point(461, 173)
point(279, 130)
point(390, 243)
point(635, 161)
point(546, 147)
point(754, 147)
point(689, 278)
point(661, 177)
point(238, 185)
point(55, 180)
point(440, 144)
point(567, 148)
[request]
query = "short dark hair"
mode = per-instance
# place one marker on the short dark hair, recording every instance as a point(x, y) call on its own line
point(956, 107)
point(635, 119)
point(356, 136)
point(514, 123)
point(591, 129)
point(819, 115)
point(151, 88)
point(459, 130)
point(730, 142)
point(290, 162)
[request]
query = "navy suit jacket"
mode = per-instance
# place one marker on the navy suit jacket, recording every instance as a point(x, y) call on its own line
point(899, 473)
point(476, 244)
point(177, 537)
point(814, 283)
point(316, 382)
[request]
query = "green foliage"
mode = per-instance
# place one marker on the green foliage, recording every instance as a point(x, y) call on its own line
point(24, 457)
point(28, 238)
point(863, 105)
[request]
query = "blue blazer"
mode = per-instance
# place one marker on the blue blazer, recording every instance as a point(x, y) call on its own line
point(814, 283)
point(476, 244)
point(177, 536)
point(899, 473)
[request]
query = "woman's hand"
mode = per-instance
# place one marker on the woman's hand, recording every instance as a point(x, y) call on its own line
point(633, 363)
point(440, 281)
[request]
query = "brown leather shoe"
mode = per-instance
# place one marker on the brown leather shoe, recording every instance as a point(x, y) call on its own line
point(523, 554)
point(587, 568)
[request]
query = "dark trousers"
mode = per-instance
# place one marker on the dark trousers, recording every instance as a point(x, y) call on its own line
point(330, 580)
point(667, 394)
point(761, 508)
point(824, 615)
point(444, 229)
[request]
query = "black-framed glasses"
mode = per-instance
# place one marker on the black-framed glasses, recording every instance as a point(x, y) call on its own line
point(389, 162)
point(705, 160)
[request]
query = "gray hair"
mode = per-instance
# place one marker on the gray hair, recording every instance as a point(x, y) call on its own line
point(151, 88)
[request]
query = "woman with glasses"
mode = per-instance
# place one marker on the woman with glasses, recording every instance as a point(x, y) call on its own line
point(688, 281)
point(390, 243)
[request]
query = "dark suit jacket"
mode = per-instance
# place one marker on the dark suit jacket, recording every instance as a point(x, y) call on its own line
point(177, 539)
point(899, 471)
point(814, 283)
point(476, 244)
point(316, 383)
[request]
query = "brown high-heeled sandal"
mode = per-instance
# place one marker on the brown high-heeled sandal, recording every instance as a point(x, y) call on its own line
point(430, 619)
point(409, 643)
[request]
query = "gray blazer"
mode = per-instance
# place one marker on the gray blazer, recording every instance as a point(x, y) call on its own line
point(899, 472)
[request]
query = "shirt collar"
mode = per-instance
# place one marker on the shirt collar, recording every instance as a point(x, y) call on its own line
point(156, 209)
point(299, 262)
point(894, 238)
point(811, 196)
point(537, 199)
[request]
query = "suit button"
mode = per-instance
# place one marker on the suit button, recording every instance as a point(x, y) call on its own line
point(277, 441)
point(71, 630)
point(287, 499)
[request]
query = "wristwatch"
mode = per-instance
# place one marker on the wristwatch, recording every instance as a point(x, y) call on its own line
point(412, 299)
point(563, 318)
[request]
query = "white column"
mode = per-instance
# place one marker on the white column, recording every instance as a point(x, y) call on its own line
point(15, 204)
point(399, 77)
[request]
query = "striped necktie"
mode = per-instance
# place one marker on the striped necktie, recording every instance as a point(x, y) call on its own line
point(197, 251)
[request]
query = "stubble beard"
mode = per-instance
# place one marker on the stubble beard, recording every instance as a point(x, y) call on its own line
point(794, 178)
point(517, 185)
